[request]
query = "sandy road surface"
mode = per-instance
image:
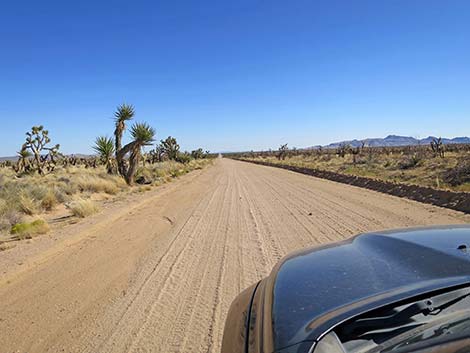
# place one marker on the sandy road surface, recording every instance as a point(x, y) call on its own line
point(160, 276)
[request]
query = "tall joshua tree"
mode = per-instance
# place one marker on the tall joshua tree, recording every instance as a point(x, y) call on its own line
point(104, 147)
point(282, 152)
point(142, 135)
point(124, 112)
point(44, 157)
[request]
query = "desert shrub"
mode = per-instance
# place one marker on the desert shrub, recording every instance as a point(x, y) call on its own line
point(27, 204)
point(183, 157)
point(458, 175)
point(27, 230)
point(177, 172)
point(69, 188)
point(4, 223)
point(3, 206)
point(361, 160)
point(60, 195)
point(83, 208)
point(49, 200)
point(36, 192)
point(144, 176)
point(409, 162)
point(96, 184)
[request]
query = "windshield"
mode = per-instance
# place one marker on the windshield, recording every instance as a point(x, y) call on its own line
point(405, 324)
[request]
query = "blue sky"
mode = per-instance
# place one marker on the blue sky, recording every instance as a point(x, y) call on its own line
point(235, 75)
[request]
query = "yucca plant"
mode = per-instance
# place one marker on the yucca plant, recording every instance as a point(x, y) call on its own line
point(143, 135)
point(104, 147)
point(124, 112)
point(23, 160)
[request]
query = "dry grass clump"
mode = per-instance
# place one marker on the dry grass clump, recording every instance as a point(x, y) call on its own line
point(49, 200)
point(83, 208)
point(95, 184)
point(27, 204)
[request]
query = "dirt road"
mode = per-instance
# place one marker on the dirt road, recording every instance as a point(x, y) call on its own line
point(159, 275)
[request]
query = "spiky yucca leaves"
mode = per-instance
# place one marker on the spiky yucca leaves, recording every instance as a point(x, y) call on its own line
point(104, 147)
point(23, 160)
point(143, 135)
point(124, 112)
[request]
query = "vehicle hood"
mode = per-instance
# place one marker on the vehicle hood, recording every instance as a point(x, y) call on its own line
point(311, 291)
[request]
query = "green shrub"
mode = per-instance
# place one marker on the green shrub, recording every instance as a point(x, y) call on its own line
point(27, 230)
point(183, 157)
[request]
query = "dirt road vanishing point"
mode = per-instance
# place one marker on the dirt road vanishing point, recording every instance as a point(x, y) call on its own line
point(159, 275)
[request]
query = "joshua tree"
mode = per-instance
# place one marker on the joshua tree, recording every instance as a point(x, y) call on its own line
point(437, 147)
point(355, 152)
point(342, 150)
point(197, 154)
point(157, 154)
point(44, 157)
point(143, 135)
point(124, 112)
point(170, 147)
point(104, 147)
point(282, 152)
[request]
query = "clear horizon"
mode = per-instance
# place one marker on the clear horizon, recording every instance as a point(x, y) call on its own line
point(228, 76)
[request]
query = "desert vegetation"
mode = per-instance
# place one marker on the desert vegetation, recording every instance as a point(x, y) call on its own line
point(438, 166)
point(43, 184)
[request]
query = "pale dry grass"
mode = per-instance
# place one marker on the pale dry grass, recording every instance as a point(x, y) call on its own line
point(83, 208)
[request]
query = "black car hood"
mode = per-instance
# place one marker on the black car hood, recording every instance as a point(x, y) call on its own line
point(313, 290)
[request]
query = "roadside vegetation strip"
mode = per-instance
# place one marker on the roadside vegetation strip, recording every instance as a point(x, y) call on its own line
point(42, 179)
point(459, 201)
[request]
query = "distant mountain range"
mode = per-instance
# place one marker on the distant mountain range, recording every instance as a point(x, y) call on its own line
point(394, 140)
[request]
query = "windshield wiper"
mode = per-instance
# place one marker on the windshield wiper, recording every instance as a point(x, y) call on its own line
point(431, 306)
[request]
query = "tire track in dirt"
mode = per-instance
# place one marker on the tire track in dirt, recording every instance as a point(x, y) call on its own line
point(229, 226)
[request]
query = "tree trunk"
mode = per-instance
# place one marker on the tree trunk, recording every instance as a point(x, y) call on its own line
point(133, 164)
point(121, 166)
